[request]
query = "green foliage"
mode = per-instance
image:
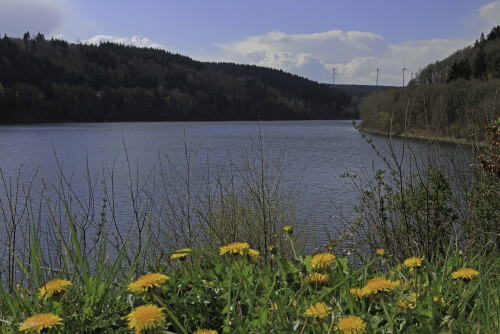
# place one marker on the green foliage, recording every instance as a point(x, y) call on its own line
point(231, 294)
point(403, 214)
point(484, 195)
point(412, 203)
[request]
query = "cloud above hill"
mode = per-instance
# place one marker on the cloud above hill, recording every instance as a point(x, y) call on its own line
point(134, 41)
point(356, 55)
point(490, 12)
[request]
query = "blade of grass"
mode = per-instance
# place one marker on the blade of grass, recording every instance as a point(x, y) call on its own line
point(76, 244)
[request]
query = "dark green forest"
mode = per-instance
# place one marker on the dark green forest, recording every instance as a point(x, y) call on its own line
point(52, 80)
point(452, 98)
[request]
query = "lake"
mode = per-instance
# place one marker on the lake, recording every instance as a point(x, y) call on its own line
point(316, 154)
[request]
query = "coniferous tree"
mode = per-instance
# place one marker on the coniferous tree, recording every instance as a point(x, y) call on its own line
point(496, 68)
point(460, 70)
point(480, 63)
point(494, 34)
point(26, 38)
point(481, 40)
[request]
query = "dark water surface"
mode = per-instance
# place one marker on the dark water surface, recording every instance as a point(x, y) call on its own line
point(317, 153)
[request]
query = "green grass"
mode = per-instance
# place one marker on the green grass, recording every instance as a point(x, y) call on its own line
point(232, 294)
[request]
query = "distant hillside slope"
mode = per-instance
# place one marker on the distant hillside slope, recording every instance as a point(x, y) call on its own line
point(361, 90)
point(55, 81)
point(451, 98)
point(357, 93)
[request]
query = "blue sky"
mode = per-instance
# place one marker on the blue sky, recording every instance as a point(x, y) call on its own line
point(302, 37)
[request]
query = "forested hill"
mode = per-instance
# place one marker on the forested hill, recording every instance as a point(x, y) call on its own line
point(451, 98)
point(55, 81)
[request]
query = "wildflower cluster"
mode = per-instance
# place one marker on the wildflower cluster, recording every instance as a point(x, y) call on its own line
point(316, 293)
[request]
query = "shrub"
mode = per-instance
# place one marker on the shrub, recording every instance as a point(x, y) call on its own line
point(483, 229)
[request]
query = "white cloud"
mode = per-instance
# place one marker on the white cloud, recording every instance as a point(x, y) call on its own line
point(490, 12)
point(356, 55)
point(334, 45)
point(135, 41)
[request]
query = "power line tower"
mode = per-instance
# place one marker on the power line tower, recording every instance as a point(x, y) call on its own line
point(333, 75)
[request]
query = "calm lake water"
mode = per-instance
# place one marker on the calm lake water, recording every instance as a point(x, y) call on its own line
point(316, 152)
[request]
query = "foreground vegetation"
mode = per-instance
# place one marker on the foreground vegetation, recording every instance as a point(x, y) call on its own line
point(232, 291)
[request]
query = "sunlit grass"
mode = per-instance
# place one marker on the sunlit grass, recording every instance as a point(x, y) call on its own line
point(230, 292)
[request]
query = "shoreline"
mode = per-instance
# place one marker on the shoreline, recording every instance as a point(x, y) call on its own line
point(423, 137)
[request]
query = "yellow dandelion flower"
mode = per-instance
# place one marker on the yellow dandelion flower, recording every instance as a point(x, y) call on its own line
point(402, 303)
point(442, 303)
point(254, 255)
point(380, 251)
point(440, 300)
point(317, 278)
point(273, 307)
point(414, 261)
point(147, 282)
point(205, 331)
point(351, 325)
point(322, 260)
point(39, 322)
point(465, 273)
point(376, 285)
point(209, 285)
point(356, 292)
point(145, 317)
point(53, 287)
point(288, 229)
point(181, 254)
point(318, 310)
point(234, 248)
